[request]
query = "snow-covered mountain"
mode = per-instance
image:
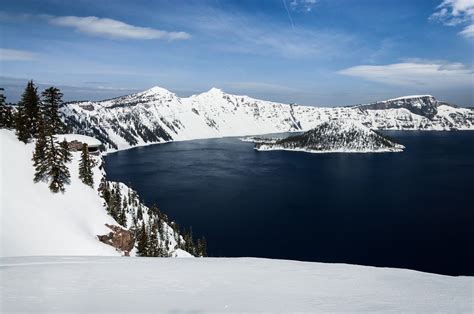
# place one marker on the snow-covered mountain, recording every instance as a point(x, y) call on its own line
point(34, 221)
point(158, 115)
point(334, 136)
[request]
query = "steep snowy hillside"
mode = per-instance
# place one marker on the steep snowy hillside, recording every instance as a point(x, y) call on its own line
point(157, 116)
point(219, 285)
point(34, 221)
point(334, 136)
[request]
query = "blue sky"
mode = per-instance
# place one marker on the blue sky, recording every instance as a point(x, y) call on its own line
point(312, 52)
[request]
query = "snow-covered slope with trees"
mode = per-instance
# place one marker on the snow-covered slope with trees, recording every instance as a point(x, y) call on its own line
point(34, 221)
point(221, 285)
point(158, 115)
point(334, 136)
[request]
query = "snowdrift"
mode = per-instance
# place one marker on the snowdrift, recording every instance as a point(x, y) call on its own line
point(114, 284)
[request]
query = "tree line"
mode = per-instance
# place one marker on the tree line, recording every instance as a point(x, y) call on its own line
point(37, 118)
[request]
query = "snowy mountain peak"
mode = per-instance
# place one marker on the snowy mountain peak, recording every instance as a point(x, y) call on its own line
point(156, 90)
point(215, 90)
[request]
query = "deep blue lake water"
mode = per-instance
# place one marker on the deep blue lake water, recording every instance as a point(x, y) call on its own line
point(409, 210)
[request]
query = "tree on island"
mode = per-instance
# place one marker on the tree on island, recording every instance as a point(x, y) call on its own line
point(85, 167)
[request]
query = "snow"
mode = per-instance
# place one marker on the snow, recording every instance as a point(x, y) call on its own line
point(35, 221)
point(264, 148)
point(409, 97)
point(334, 136)
point(121, 284)
point(218, 114)
point(90, 141)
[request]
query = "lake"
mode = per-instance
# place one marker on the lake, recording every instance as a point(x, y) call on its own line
point(408, 210)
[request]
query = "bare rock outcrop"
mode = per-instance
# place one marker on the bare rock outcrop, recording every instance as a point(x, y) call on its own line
point(121, 239)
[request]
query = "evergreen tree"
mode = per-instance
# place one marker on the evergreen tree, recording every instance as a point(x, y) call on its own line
point(142, 242)
point(40, 161)
point(52, 99)
point(122, 218)
point(20, 125)
point(153, 245)
point(58, 172)
point(140, 212)
point(201, 247)
point(6, 115)
point(29, 110)
point(104, 190)
point(65, 151)
point(85, 167)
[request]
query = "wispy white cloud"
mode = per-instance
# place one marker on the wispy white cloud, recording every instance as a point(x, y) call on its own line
point(411, 74)
point(258, 35)
point(468, 31)
point(106, 27)
point(302, 5)
point(456, 12)
point(16, 55)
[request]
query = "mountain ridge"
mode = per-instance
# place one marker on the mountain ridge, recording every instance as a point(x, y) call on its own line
point(157, 115)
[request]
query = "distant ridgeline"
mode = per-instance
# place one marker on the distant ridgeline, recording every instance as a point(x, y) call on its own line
point(37, 140)
point(157, 116)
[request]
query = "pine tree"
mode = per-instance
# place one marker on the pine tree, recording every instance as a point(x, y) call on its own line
point(201, 247)
point(85, 167)
point(65, 151)
point(153, 245)
point(20, 125)
point(122, 218)
point(142, 242)
point(30, 113)
point(104, 190)
point(6, 115)
point(140, 212)
point(52, 99)
point(58, 172)
point(40, 161)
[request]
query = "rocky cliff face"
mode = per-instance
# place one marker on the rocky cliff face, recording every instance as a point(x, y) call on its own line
point(157, 115)
point(422, 105)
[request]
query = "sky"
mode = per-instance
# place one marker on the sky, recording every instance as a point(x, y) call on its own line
point(310, 52)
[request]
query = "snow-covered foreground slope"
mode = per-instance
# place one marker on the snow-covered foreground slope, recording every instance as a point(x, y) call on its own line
point(157, 115)
point(34, 221)
point(114, 284)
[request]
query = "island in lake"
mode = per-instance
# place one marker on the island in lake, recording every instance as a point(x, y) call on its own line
point(333, 136)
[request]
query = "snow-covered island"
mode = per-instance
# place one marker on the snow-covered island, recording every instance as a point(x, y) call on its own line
point(333, 136)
